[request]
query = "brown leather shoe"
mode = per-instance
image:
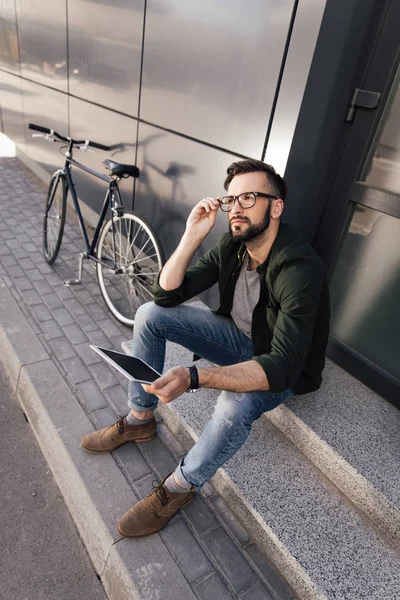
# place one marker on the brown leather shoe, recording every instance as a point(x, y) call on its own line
point(110, 438)
point(153, 512)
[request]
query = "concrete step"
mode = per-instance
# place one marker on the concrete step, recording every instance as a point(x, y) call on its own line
point(322, 544)
point(352, 435)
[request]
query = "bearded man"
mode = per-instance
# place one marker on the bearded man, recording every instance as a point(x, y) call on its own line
point(268, 336)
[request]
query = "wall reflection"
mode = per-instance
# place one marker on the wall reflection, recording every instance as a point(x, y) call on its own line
point(175, 175)
point(43, 41)
point(104, 58)
point(9, 51)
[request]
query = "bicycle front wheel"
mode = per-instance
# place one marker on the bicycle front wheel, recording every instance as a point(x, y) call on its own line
point(131, 259)
point(54, 217)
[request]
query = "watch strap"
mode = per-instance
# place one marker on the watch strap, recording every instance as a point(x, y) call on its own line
point(194, 379)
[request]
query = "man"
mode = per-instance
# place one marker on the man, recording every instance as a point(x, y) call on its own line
point(268, 336)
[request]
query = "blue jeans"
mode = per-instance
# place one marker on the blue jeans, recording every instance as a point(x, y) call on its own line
point(218, 340)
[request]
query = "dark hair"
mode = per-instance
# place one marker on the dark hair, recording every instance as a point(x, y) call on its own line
point(278, 185)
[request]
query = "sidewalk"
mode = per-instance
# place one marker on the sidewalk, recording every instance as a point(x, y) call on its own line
point(66, 390)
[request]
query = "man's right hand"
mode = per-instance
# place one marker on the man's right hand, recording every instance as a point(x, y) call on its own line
point(202, 218)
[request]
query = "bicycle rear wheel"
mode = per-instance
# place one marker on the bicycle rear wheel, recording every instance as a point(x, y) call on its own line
point(54, 217)
point(138, 257)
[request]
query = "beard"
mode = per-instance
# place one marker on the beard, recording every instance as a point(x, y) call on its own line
point(253, 230)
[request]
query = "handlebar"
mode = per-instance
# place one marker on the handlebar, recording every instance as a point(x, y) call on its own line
point(53, 134)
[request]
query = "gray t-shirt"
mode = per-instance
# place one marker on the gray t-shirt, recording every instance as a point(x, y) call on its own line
point(245, 298)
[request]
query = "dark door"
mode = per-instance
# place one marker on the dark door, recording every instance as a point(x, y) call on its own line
point(365, 206)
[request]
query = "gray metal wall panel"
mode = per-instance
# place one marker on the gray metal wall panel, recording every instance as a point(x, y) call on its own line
point(105, 48)
point(211, 68)
point(176, 173)
point(12, 108)
point(9, 53)
point(297, 66)
point(88, 121)
point(42, 27)
point(49, 108)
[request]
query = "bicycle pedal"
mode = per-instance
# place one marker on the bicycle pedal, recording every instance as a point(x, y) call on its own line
point(70, 282)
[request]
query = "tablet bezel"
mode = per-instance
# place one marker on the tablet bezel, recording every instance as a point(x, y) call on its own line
point(99, 351)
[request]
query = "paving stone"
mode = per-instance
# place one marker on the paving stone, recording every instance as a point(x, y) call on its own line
point(109, 327)
point(40, 312)
point(62, 316)
point(228, 518)
point(51, 329)
point(232, 563)
point(52, 301)
point(104, 417)
point(133, 463)
point(23, 284)
point(26, 264)
point(98, 338)
point(13, 243)
point(63, 292)
point(186, 551)
point(83, 296)
point(15, 272)
point(9, 260)
point(35, 275)
point(271, 577)
point(118, 398)
point(103, 375)
point(74, 306)
point(144, 485)
point(74, 334)
point(200, 516)
point(18, 253)
point(85, 322)
point(97, 311)
point(62, 349)
point(257, 592)
point(76, 369)
point(31, 297)
point(43, 287)
point(92, 396)
point(213, 588)
point(159, 457)
point(89, 356)
point(54, 279)
point(169, 440)
point(207, 490)
point(44, 268)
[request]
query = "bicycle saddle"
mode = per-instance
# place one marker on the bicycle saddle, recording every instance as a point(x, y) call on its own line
point(121, 170)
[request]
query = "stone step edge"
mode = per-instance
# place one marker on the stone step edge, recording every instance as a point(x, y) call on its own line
point(373, 503)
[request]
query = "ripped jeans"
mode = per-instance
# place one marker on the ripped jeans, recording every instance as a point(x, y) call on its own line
point(218, 340)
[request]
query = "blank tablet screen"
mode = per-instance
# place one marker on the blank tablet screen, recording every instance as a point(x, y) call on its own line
point(134, 366)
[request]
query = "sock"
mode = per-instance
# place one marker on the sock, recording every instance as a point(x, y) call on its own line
point(132, 420)
point(174, 488)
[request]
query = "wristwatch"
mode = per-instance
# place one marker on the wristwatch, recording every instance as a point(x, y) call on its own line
point(194, 380)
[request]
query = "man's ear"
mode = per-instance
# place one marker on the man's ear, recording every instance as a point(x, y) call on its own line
point(277, 208)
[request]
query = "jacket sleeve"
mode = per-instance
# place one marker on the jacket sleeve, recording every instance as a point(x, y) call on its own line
point(299, 286)
point(197, 279)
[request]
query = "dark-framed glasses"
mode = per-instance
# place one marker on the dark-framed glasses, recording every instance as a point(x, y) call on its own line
point(246, 200)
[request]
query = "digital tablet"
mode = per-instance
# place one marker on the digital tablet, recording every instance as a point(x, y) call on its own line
point(133, 368)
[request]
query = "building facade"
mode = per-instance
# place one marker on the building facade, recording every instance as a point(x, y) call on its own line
point(185, 88)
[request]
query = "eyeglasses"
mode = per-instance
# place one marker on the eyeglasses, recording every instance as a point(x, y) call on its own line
point(246, 200)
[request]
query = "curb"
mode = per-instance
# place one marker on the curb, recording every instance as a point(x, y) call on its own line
point(94, 490)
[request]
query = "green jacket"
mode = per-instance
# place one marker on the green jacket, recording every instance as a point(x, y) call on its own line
point(290, 323)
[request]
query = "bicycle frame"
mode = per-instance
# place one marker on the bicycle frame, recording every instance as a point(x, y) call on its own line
point(108, 201)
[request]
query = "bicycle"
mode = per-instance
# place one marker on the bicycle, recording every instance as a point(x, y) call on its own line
point(125, 250)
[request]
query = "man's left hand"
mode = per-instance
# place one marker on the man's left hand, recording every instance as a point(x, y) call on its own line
point(171, 385)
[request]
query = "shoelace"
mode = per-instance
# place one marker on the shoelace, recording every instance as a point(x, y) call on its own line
point(160, 492)
point(120, 426)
